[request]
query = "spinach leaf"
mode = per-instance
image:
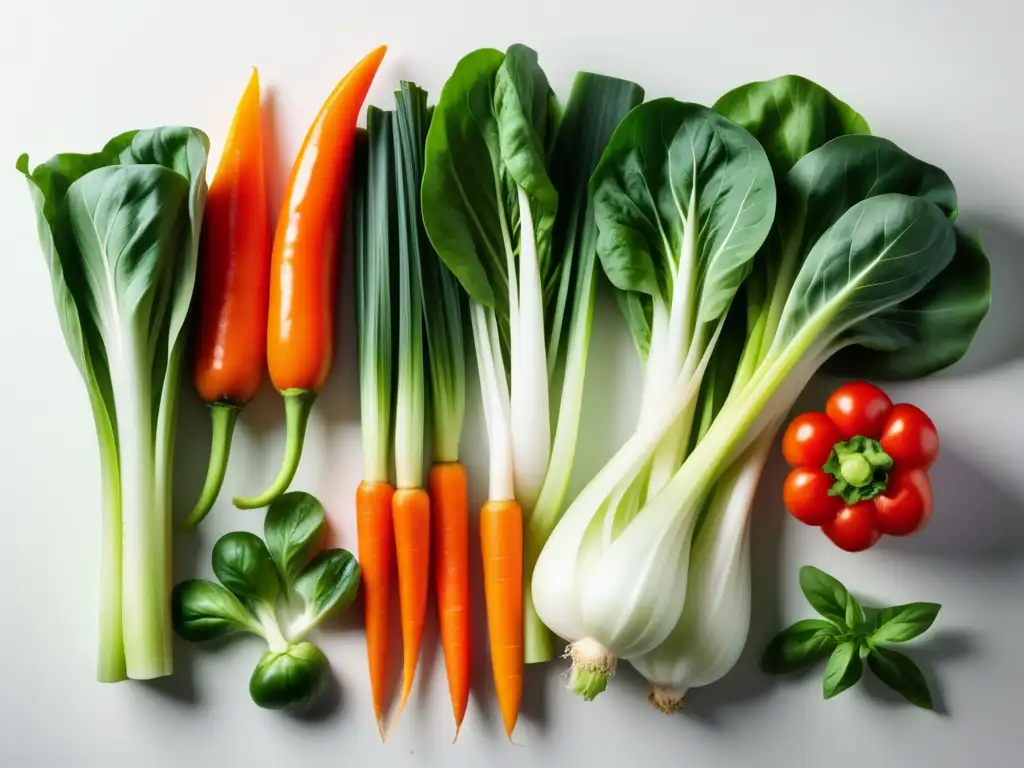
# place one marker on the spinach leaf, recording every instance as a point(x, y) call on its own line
point(243, 565)
point(202, 610)
point(900, 623)
point(294, 529)
point(844, 669)
point(328, 585)
point(902, 675)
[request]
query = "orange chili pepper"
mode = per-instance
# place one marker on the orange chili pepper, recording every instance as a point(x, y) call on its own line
point(303, 273)
point(234, 279)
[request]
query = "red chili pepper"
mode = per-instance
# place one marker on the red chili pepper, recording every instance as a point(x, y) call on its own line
point(860, 470)
point(303, 270)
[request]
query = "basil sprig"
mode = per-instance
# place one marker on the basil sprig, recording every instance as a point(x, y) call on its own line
point(851, 640)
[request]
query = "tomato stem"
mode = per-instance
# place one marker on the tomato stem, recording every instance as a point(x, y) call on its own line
point(860, 467)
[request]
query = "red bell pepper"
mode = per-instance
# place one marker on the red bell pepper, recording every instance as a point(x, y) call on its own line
point(860, 469)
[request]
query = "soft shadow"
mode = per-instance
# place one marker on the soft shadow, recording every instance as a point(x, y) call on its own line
point(1000, 339)
point(481, 678)
point(179, 687)
point(535, 705)
point(326, 706)
point(339, 399)
point(980, 521)
point(930, 654)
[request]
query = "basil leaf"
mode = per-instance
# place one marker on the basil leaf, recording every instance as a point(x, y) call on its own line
point(844, 669)
point(799, 645)
point(901, 623)
point(202, 610)
point(855, 618)
point(295, 529)
point(825, 594)
point(902, 675)
point(329, 584)
point(243, 565)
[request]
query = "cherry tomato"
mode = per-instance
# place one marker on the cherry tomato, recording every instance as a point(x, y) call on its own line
point(853, 528)
point(805, 495)
point(906, 504)
point(808, 439)
point(859, 408)
point(910, 437)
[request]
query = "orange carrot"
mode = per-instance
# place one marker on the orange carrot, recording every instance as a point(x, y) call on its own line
point(410, 509)
point(501, 538)
point(447, 484)
point(376, 559)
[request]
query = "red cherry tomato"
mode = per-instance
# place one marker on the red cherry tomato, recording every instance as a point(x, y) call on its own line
point(859, 408)
point(853, 529)
point(808, 439)
point(910, 437)
point(906, 504)
point(805, 495)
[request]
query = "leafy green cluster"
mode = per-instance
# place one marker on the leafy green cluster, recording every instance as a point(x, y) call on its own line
point(292, 568)
point(849, 638)
point(120, 233)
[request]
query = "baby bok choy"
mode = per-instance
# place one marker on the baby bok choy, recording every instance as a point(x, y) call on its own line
point(793, 118)
point(855, 271)
point(683, 198)
point(505, 206)
point(291, 574)
point(120, 231)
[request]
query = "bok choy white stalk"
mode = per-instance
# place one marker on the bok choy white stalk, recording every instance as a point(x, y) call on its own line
point(120, 231)
point(505, 206)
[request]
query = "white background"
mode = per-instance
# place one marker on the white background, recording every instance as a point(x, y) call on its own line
point(945, 84)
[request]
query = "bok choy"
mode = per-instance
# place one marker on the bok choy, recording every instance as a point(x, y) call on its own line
point(855, 272)
point(120, 230)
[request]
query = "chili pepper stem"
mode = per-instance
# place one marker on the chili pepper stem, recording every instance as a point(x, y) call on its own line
point(297, 405)
point(223, 417)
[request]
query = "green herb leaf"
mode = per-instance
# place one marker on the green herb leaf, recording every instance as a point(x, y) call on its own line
point(799, 645)
point(902, 675)
point(825, 594)
point(243, 565)
point(202, 610)
point(901, 623)
point(328, 585)
point(844, 669)
point(295, 529)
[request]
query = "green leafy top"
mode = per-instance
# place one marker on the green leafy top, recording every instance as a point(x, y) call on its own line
point(373, 225)
point(491, 135)
point(848, 636)
point(790, 116)
point(671, 171)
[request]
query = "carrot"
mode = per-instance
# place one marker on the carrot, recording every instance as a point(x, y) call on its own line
point(376, 540)
point(410, 510)
point(447, 484)
point(300, 334)
point(371, 211)
point(234, 276)
point(501, 538)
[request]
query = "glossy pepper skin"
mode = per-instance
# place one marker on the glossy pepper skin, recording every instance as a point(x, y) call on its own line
point(860, 470)
point(234, 277)
point(304, 265)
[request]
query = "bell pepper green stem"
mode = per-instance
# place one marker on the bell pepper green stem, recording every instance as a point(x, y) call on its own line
point(223, 417)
